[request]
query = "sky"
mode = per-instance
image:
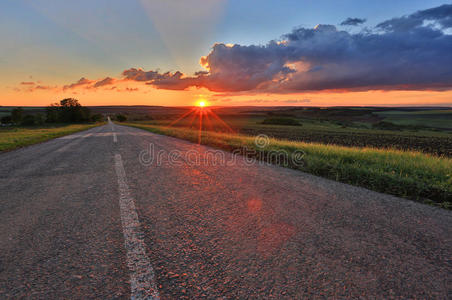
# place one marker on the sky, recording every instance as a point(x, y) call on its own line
point(227, 52)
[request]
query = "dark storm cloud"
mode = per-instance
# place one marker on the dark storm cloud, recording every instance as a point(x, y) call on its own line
point(411, 52)
point(440, 16)
point(353, 22)
point(325, 58)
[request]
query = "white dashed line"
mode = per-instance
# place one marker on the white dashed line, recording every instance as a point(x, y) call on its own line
point(115, 138)
point(141, 273)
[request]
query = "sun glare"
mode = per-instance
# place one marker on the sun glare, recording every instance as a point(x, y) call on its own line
point(202, 103)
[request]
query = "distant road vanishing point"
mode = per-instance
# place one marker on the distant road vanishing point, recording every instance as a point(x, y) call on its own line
point(85, 216)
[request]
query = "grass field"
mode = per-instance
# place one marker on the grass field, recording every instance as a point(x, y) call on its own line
point(431, 118)
point(337, 132)
point(409, 174)
point(16, 137)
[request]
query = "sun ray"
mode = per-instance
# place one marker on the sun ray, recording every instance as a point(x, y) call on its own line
point(193, 118)
point(183, 116)
point(208, 121)
point(201, 112)
point(221, 121)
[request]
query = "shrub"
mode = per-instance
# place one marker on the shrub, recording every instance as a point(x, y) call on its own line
point(97, 118)
point(39, 119)
point(28, 120)
point(6, 120)
point(52, 113)
point(17, 114)
point(121, 118)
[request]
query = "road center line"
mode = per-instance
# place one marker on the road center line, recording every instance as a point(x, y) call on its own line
point(115, 138)
point(142, 280)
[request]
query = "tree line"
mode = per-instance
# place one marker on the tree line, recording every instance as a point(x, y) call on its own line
point(68, 110)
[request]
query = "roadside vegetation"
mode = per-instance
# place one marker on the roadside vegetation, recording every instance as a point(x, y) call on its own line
point(409, 174)
point(27, 126)
point(15, 137)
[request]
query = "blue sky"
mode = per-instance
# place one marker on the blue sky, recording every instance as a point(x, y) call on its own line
point(92, 37)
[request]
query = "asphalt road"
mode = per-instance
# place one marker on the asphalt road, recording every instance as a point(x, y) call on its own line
point(90, 215)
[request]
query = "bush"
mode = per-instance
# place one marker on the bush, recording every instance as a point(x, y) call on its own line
point(39, 119)
point(97, 118)
point(17, 115)
point(52, 113)
point(281, 121)
point(121, 118)
point(6, 120)
point(384, 125)
point(28, 120)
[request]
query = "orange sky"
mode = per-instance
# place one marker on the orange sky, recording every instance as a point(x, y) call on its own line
point(133, 93)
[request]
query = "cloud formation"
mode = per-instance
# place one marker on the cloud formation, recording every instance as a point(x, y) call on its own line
point(103, 82)
point(353, 22)
point(440, 17)
point(412, 52)
point(81, 82)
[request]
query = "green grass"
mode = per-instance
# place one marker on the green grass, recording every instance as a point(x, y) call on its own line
point(427, 118)
point(281, 121)
point(409, 174)
point(435, 122)
point(16, 137)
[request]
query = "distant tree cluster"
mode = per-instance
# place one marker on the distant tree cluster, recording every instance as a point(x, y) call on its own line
point(121, 117)
point(69, 110)
point(19, 117)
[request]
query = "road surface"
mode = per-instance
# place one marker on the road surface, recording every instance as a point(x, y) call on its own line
point(91, 215)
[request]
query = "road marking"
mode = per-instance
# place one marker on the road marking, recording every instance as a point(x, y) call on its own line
point(142, 280)
point(115, 138)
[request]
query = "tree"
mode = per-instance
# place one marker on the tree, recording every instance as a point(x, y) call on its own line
point(70, 102)
point(69, 110)
point(17, 114)
point(121, 118)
